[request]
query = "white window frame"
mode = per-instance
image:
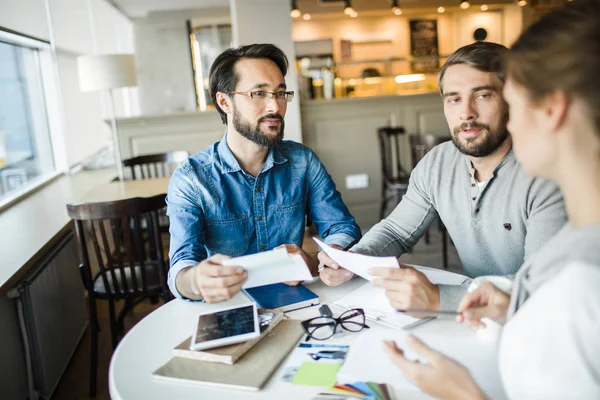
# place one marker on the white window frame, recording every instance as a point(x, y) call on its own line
point(51, 98)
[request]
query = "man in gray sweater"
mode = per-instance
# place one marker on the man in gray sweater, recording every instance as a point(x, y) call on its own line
point(496, 214)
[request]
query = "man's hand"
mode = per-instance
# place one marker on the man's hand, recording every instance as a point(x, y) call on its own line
point(441, 377)
point(487, 301)
point(311, 262)
point(210, 280)
point(331, 273)
point(407, 288)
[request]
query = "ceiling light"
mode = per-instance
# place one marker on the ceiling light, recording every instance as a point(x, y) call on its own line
point(354, 14)
point(441, 9)
point(464, 4)
point(348, 10)
point(295, 13)
point(395, 9)
point(522, 3)
point(306, 16)
point(409, 78)
point(484, 8)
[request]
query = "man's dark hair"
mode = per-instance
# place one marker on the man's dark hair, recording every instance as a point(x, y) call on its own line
point(484, 56)
point(223, 77)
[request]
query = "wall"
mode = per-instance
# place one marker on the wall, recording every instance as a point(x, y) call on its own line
point(27, 17)
point(343, 134)
point(13, 377)
point(79, 28)
point(163, 52)
point(264, 21)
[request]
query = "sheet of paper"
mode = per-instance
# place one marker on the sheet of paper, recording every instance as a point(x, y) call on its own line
point(271, 267)
point(368, 361)
point(440, 277)
point(358, 264)
point(376, 306)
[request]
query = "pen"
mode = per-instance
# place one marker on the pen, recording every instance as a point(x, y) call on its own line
point(417, 323)
point(431, 313)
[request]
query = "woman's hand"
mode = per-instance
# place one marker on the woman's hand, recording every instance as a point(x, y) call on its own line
point(487, 301)
point(440, 377)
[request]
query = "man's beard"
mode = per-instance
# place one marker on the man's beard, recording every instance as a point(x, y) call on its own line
point(254, 134)
point(491, 142)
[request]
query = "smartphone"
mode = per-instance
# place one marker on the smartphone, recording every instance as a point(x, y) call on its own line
point(226, 326)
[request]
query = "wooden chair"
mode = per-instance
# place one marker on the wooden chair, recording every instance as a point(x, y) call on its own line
point(419, 146)
point(155, 165)
point(394, 177)
point(121, 259)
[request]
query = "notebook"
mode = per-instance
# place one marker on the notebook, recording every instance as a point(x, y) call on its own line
point(280, 297)
point(225, 354)
point(250, 372)
point(377, 306)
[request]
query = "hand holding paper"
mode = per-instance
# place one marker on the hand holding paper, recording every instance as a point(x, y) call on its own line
point(357, 263)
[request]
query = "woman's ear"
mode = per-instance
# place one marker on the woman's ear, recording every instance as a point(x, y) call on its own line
point(556, 107)
point(224, 102)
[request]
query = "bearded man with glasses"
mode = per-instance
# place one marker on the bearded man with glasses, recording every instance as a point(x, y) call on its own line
point(251, 191)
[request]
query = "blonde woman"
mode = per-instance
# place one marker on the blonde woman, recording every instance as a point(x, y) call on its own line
point(550, 344)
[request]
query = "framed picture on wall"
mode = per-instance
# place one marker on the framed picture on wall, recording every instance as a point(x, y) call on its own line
point(424, 45)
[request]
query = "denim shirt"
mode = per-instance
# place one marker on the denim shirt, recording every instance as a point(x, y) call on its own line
point(215, 206)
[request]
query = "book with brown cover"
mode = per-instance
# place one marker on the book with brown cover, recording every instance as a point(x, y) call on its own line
point(225, 354)
point(250, 372)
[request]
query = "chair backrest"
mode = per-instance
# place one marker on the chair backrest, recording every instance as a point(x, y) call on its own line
point(422, 144)
point(121, 240)
point(389, 149)
point(155, 165)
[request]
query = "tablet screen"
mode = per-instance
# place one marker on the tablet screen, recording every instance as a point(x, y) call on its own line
point(224, 324)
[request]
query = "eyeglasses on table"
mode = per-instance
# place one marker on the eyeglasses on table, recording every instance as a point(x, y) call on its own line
point(322, 328)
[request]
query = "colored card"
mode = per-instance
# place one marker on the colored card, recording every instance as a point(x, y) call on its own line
point(316, 374)
point(364, 387)
point(376, 389)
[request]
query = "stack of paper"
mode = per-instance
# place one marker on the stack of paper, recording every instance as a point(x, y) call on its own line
point(367, 359)
point(357, 390)
point(273, 266)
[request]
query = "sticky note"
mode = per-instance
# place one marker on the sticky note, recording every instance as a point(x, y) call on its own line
point(316, 374)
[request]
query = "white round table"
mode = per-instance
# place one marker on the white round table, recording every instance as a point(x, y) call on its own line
point(148, 345)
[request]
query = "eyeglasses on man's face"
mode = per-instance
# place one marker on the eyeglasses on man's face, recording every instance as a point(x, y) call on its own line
point(322, 328)
point(263, 96)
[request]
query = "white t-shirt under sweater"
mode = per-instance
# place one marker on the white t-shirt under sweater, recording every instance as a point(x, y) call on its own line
point(550, 349)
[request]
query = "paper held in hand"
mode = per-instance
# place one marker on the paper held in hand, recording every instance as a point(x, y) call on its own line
point(358, 264)
point(269, 267)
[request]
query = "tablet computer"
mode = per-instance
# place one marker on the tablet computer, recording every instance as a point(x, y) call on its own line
point(227, 326)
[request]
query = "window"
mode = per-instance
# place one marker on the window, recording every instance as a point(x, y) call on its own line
point(207, 42)
point(26, 156)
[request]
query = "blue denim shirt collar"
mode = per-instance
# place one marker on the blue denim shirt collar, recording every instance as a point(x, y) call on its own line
point(230, 164)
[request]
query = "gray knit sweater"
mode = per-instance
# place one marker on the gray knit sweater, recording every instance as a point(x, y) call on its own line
point(494, 231)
